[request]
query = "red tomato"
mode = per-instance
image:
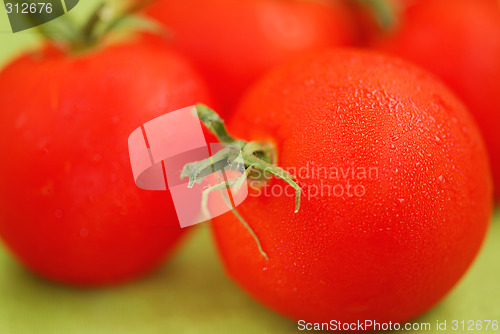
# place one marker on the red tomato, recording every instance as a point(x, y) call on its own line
point(458, 40)
point(396, 190)
point(69, 208)
point(233, 42)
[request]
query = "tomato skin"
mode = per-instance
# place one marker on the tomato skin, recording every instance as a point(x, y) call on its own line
point(234, 42)
point(69, 208)
point(391, 254)
point(459, 41)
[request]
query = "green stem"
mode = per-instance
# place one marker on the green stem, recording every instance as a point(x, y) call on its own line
point(234, 184)
point(89, 28)
point(134, 8)
point(382, 11)
point(276, 171)
point(255, 154)
point(249, 229)
point(256, 157)
point(67, 32)
point(196, 171)
point(215, 124)
point(93, 30)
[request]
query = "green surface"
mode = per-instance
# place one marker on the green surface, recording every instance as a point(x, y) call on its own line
point(191, 294)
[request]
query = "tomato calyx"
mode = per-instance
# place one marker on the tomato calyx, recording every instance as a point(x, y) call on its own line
point(256, 156)
point(103, 22)
point(259, 161)
point(384, 12)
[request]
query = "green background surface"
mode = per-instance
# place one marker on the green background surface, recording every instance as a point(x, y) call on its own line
point(190, 294)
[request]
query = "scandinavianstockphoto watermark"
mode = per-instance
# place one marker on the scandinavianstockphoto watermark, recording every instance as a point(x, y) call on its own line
point(203, 187)
point(318, 181)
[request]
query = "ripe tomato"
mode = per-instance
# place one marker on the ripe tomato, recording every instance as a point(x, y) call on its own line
point(233, 42)
point(458, 40)
point(396, 190)
point(69, 208)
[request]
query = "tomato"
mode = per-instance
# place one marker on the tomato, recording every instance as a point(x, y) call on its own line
point(397, 192)
point(234, 42)
point(69, 208)
point(458, 40)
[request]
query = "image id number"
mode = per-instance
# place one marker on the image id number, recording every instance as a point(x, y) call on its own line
point(474, 325)
point(29, 8)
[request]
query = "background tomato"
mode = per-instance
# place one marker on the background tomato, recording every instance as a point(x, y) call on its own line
point(395, 246)
point(458, 40)
point(233, 42)
point(69, 208)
